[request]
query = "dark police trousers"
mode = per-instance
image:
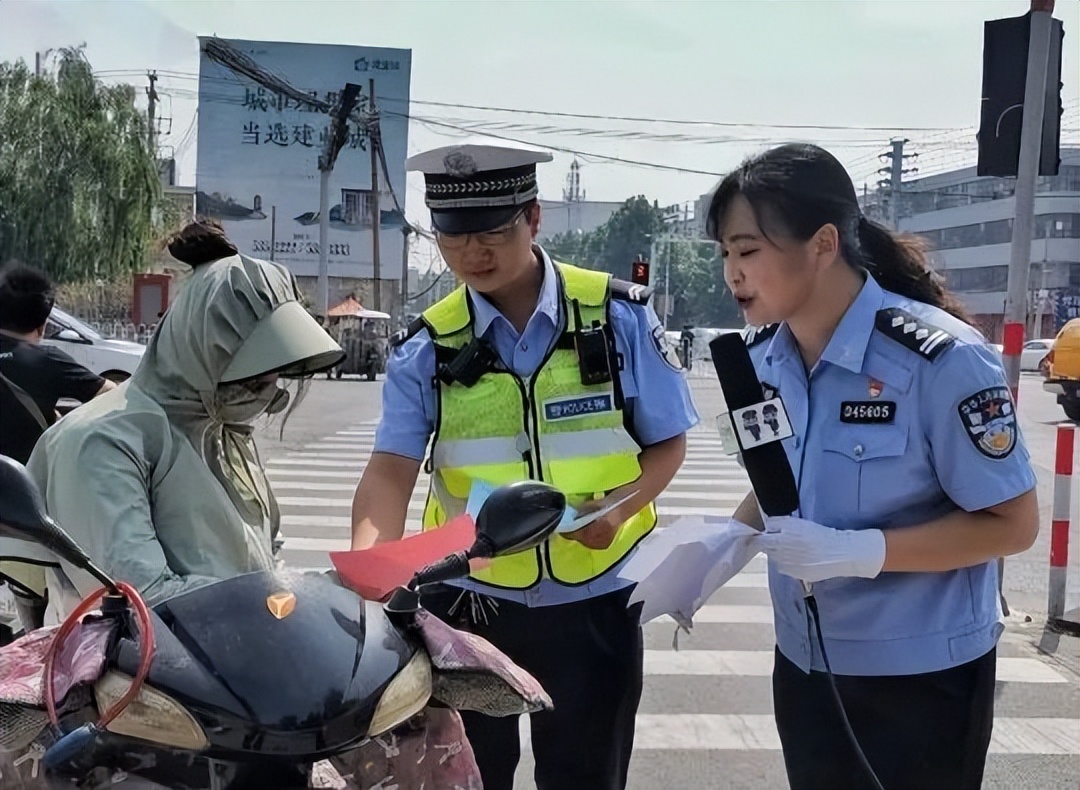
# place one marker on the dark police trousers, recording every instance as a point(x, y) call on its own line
point(919, 732)
point(588, 656)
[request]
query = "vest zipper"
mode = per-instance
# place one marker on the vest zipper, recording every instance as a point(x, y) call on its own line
point(532, 455)
point(543, 549)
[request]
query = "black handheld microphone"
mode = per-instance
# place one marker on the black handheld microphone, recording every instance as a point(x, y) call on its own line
point(767, 464)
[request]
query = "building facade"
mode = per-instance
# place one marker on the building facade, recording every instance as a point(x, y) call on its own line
point(968, 222)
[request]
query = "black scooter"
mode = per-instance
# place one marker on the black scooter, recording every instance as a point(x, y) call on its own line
point(252, 680)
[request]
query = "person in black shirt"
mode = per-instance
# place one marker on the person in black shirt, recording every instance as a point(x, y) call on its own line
point(44, 373)
point(33, 378)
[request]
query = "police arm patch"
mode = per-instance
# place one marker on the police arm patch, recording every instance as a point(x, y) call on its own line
point(989, 420)
point(667, 353)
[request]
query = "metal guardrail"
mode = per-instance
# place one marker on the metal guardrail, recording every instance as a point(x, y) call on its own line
point(121, 330)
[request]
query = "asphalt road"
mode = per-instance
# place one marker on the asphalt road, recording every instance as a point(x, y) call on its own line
point(705, 718)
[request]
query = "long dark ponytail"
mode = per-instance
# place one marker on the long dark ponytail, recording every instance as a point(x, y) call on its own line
point(796, 189)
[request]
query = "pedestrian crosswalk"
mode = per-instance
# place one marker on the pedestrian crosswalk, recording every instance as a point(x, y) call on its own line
point(314, 488)
point(705, 721)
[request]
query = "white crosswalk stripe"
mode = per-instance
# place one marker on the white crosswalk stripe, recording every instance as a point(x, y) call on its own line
point(705, 719)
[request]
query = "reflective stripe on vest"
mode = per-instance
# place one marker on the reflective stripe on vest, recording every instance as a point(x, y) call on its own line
point(551, 427)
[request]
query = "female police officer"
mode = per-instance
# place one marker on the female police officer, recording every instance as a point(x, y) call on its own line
point(533, 370)
point(912, 478)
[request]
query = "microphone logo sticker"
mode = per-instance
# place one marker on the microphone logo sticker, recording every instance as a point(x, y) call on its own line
point(761, 424)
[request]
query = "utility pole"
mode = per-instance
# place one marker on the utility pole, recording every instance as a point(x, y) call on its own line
point(654, 247)
point(335, 139)
point(1027, 170)
point(39, 57)
point(151, 110)
point(1026, 173)
point(273, 230)
point(406, 230)
point(668, 305)
point(374, 142)
point(895, 181)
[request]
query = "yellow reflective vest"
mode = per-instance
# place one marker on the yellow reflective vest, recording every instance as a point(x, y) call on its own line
point(548, 427)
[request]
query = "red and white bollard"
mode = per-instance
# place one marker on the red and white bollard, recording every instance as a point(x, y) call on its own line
point(1059, 526)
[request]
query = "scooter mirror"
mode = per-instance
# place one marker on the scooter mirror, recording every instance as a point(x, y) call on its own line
point(517, 517)
point(23, 516)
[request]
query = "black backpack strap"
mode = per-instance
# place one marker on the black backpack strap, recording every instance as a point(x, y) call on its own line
point(412, 330)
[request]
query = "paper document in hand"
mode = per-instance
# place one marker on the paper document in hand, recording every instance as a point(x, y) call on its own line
point(481, 490)
point(376, 572)
point(679, 568)
point(586, 519)
point(571, 521)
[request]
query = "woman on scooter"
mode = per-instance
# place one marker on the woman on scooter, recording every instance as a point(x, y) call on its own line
point(160, 481)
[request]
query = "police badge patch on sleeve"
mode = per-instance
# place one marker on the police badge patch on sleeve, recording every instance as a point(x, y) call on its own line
point(667, 352)
point(990, 421)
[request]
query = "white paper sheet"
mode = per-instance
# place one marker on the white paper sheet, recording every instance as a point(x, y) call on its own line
point(677, 569)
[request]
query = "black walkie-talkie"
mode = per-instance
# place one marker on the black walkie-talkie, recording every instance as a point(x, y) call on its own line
point(593, 351)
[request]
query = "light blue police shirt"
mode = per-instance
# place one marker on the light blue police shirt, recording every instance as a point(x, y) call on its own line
point(657, 397)
point(885, 437)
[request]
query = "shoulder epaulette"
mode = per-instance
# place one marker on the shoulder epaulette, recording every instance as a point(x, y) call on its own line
point(414, 328)
point(753, 335)
point(908, 330)
point(630, 292)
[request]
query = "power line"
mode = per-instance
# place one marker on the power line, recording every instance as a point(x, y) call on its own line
point(561, 149)
point(427, 290)
point(676, 121)
point(624, 118)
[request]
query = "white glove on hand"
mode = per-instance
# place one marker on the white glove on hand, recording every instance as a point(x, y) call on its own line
point(808, 551)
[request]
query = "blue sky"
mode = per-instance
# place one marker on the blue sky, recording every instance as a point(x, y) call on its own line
point(847, 63)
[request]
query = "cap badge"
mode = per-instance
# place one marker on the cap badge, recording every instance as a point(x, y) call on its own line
point(459, 164)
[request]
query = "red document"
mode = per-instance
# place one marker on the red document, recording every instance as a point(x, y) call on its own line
point(378, 571)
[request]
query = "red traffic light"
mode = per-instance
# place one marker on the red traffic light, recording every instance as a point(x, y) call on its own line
point(639, 272)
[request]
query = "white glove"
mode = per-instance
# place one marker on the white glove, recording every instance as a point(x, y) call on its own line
point(808, 551)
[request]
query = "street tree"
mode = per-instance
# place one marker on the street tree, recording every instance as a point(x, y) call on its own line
point(78, 180)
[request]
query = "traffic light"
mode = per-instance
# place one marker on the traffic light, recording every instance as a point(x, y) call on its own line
point(639, 272)
point(1005, 51)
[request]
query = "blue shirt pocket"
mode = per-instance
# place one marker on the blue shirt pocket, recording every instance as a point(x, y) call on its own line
point(866, 474)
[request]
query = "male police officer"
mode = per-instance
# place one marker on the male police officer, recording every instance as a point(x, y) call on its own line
point(533, 369)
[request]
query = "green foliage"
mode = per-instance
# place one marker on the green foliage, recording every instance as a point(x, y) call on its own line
point(696, 269)
point(78, 182)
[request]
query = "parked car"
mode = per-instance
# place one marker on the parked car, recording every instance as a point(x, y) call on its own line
point(115, 360)
point(1033, 353)
point(1064, 375)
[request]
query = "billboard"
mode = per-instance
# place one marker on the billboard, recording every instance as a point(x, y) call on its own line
point(257, 170)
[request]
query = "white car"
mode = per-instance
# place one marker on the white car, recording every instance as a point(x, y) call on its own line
point(1033, 353)
point(115, 360)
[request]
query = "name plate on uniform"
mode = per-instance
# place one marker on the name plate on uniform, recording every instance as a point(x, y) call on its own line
point(868, 412)
point(753, 426)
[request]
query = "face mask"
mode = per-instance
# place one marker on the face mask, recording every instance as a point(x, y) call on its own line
point(245, 401)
